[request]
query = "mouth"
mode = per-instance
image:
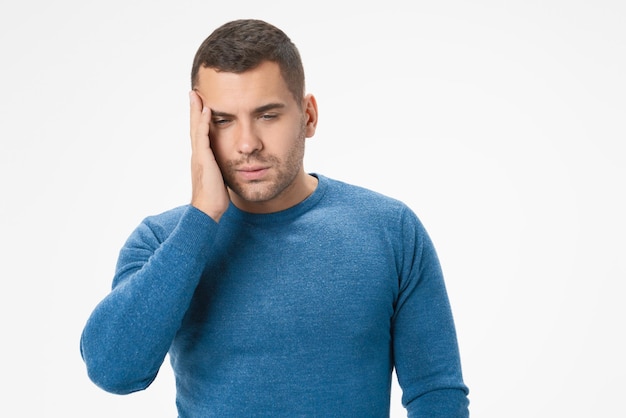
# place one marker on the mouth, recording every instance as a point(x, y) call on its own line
point(252, 173)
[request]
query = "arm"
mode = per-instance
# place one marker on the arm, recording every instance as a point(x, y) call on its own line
point(425, 347)
point(129, 333)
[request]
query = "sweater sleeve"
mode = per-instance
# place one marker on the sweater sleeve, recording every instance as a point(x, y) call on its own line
point(426, 355)
point(128, 335)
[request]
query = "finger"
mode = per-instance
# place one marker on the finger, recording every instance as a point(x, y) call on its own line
point(199, 121)
point(195, 109)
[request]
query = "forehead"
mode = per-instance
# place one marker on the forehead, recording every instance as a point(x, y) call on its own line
point(254, 87)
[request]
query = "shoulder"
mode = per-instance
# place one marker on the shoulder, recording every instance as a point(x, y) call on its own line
point(168, 219)
point(366, 212)
point(159, 226)
point(352, 205)
point(363, 199)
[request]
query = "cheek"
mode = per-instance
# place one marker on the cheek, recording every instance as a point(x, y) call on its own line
point(217, 141)
point(285, 136)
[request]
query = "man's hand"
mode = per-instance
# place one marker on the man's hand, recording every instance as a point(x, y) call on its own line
point(209, 193)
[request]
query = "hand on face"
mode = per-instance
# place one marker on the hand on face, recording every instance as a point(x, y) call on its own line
point(209, 193)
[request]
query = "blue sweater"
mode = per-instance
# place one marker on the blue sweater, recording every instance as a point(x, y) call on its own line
point(302, 312)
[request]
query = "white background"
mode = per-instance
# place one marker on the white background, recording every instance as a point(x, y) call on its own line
point(501, 123)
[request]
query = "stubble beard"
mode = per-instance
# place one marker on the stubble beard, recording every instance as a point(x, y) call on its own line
point(281, 177)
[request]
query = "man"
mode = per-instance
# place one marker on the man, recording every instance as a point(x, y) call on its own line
point(275, 292)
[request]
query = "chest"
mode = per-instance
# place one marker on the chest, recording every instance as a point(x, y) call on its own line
point(310, 288)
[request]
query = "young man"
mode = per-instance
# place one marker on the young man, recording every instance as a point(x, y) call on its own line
point(275, 292)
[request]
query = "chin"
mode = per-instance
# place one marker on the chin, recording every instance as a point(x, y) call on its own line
point(256, 193)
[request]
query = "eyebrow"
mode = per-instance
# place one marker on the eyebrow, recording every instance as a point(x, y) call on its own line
point(260, 109)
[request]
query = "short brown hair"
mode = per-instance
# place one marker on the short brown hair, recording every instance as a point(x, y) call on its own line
point(242, 45)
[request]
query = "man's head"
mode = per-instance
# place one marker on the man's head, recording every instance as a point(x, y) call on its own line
point(249, 77)
point(242, 45)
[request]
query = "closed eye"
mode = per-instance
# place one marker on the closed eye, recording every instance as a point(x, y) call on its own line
point(268, 116)
point(221, 121)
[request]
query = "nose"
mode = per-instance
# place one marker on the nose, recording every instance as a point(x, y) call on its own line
point(248, 141)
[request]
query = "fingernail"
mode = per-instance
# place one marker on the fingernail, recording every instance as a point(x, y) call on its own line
point(205, 109)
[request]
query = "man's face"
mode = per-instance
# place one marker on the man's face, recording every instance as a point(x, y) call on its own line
point(257, 135)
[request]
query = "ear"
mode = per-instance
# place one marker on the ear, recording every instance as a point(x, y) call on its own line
point(309, 106)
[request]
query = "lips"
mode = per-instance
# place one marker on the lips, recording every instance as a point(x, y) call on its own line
point(251, 173)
